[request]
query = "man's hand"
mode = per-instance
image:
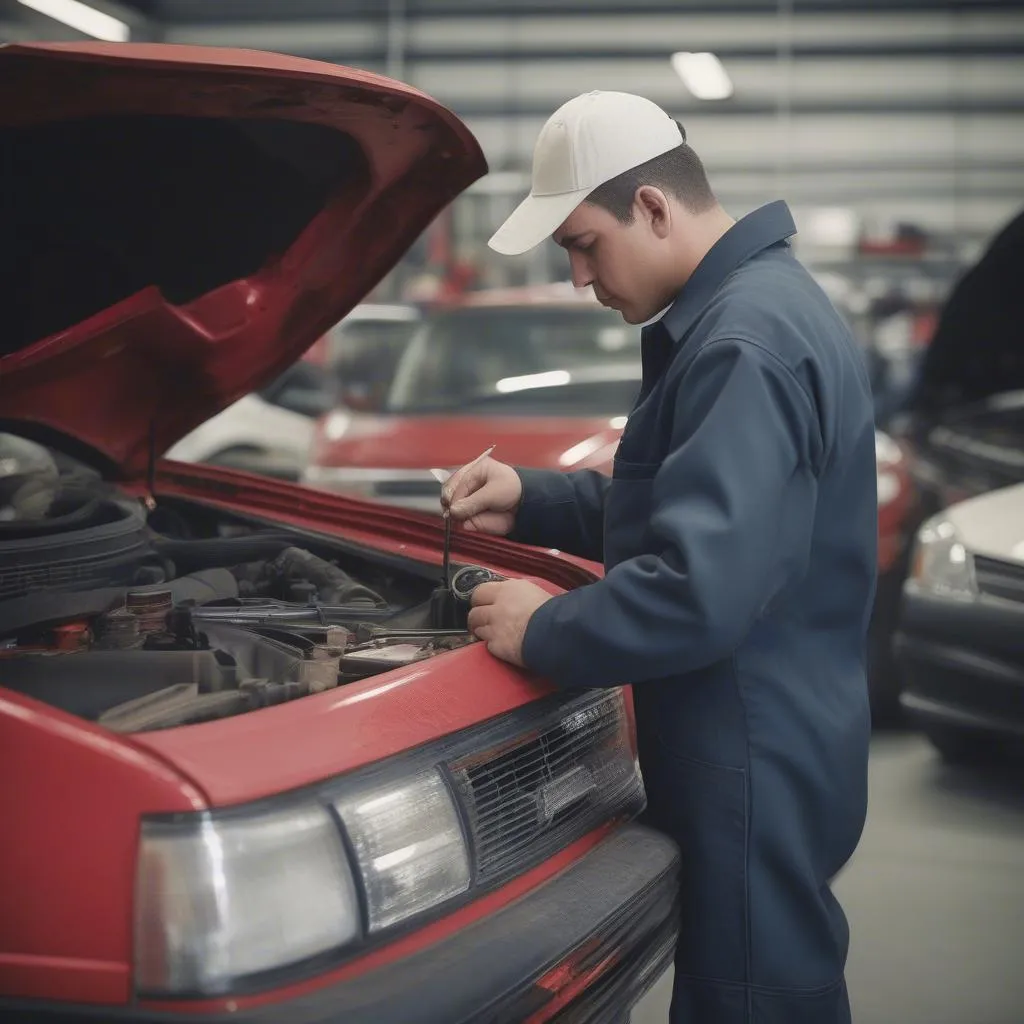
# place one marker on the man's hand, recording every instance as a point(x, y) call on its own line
point(500, 614)
point(484, 497)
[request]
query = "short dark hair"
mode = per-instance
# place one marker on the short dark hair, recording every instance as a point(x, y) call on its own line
point(678, 172)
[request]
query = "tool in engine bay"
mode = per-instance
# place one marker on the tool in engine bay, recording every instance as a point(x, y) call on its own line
point(449, 604)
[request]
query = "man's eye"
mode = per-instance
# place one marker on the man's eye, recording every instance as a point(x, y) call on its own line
point(585, 246)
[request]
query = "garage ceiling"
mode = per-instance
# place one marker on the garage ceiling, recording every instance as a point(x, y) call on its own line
point(900, 107)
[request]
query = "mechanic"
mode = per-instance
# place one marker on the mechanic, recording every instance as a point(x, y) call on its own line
point(738, 534)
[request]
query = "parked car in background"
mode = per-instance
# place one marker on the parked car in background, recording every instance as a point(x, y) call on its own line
point(964, 425)
point(256, 768)
point(547, 374)
point(364, 348)
point(961, 640)
point(269, 431)
point(961, 433)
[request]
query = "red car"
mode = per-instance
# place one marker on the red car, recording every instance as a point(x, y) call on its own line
point(548, 376)
point(255, 767)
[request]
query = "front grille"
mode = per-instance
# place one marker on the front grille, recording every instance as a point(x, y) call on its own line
point(540, 792)
point(999, 579)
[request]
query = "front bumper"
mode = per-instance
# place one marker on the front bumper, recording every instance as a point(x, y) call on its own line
point(963, 662)
point(605, 926)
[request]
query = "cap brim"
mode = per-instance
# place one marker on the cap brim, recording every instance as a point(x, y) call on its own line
point(533, 220)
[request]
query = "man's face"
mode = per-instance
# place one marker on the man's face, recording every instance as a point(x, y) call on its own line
point(623, 262)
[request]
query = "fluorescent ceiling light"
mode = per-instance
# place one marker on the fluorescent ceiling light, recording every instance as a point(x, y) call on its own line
point(703, 75)
point(82, 17)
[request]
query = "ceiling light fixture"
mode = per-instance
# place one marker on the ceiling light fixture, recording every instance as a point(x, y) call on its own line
point(703, 75)
point(82, 17)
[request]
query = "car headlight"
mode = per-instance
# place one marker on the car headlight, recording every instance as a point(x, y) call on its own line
point(941, 562)
point(410, 848)
point(888, 458)
point(226, 899)
point(889, 487)
point(219, 898)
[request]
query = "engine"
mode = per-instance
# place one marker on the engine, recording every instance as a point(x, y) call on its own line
point(142, 620)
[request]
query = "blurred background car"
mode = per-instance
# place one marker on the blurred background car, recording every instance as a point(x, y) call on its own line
point(961, 640)
point(270, 431)
point(364, 348)
point(963, 424)
point(546, 374)
point(266, 432)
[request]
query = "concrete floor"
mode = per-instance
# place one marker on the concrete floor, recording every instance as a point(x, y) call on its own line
point(934, 894)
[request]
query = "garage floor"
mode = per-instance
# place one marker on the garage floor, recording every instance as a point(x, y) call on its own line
point(935, 895)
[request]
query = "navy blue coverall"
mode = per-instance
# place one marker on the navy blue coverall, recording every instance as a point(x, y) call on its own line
point(738, 533)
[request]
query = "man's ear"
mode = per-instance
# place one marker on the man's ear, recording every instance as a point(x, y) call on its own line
point(653, 206)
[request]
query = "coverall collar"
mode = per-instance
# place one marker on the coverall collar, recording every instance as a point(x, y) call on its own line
point(759, 230)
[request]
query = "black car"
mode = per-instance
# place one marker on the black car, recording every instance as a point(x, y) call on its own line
point(961, 641)
point(965, 421)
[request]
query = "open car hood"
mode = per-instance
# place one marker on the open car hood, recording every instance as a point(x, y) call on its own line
point(188, 221)
point(978, 347)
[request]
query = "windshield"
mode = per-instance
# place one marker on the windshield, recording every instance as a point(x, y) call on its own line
point(362, 340)
point(520, 361)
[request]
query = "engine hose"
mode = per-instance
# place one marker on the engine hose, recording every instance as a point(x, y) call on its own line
point(189, 555)
point(334, 585)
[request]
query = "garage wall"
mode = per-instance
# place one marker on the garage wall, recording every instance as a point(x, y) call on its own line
point(903, 114)
point(888, 111)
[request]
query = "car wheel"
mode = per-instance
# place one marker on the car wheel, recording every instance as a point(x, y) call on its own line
point(960, 746)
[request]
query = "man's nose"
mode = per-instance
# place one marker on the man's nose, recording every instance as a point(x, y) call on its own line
point(579, 268)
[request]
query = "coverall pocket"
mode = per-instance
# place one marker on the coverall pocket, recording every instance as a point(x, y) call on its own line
point(627, 510)
point(704, 808)
point(623, 469)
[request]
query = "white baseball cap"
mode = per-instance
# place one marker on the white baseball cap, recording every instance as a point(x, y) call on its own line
point(586, 142)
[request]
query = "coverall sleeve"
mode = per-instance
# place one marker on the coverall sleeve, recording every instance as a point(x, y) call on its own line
point(732, 515)
point(563, 511)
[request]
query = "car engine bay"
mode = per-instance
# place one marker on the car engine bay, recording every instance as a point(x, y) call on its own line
point(143, 619)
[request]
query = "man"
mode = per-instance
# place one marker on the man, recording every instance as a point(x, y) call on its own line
point(738, 534)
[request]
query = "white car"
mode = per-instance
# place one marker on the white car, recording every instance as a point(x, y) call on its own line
point(269, 431)
point(961, 638)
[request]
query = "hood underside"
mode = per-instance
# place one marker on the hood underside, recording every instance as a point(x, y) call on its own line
point(188, 221)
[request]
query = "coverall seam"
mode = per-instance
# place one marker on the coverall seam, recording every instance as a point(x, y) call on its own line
point(747, 799)
point(544, 503)
point(685, 758)
point(761, 347)
point(768, 990)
